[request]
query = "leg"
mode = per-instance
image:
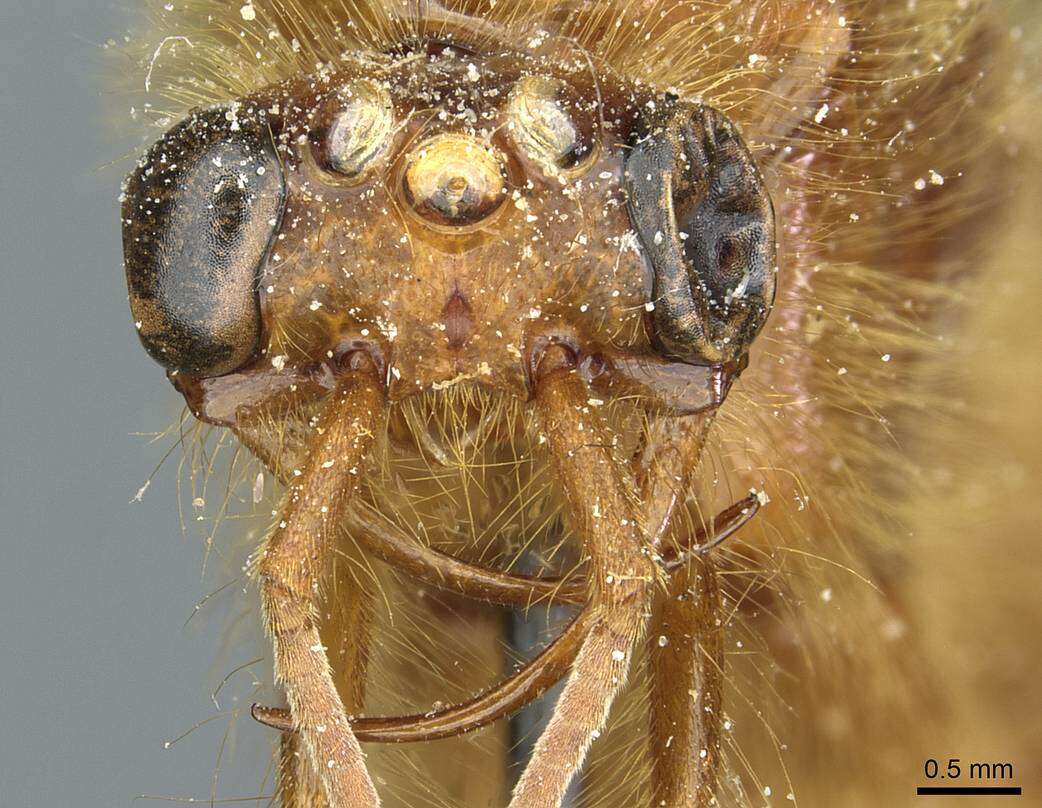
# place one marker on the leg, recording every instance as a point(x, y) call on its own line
point(598, 492)
point(290, 570)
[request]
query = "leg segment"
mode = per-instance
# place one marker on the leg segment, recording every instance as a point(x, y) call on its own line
point(290, 570)
point(621, 576)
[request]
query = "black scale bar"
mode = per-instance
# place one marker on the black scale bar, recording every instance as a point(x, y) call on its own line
point(966, 791)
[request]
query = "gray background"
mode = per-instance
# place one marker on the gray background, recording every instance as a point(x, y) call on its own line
point(95, 669)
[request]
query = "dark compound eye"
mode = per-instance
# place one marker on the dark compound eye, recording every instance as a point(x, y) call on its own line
point(199, 214)
point(704, 218)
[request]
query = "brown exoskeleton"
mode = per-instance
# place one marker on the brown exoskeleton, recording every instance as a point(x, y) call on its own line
point(451, 215)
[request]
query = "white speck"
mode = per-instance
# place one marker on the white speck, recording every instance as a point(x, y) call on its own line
point(704, 753)
point(885, 357)
point(822, 112)
point(258, 488)
point(315, 305)
point(826, 595)
point(472, 72)
point(279, 363)
point(841, 372)
point(658, 237)
point(663, 641)
point(935, 178)
point(762, 498)
point(248, 12)
point(766, 791)
point(920, 184)
point(649, 306)
point(141, 492)
point(618, 655)
point(894, 629)
point(318, 648)
point(534, 314)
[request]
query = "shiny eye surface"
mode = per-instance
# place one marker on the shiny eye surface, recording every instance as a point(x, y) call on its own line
point(199, 213)
point(706, 222)
point(454, 182)
point(357, 130)
point(547, 122)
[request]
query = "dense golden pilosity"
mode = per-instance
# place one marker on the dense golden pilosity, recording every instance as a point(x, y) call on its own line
point(883, 130)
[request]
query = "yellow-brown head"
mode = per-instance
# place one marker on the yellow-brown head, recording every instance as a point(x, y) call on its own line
point(449, 209)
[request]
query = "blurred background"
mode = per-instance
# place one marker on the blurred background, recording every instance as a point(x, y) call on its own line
point(99, 675)
point(96, 671)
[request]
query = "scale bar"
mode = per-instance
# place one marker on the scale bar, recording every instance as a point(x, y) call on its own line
point(1012, 791)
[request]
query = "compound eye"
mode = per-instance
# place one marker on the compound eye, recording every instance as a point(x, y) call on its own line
point(199, 214)
point(547, 122)
point(357, 130)
point(706, 222)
